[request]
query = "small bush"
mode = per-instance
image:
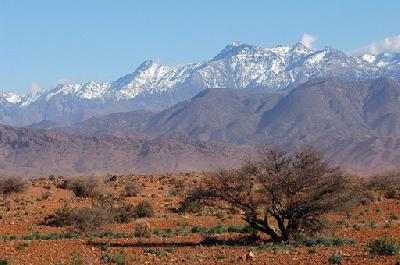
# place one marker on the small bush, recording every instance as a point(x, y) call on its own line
point(191, 206)
point(218, 229)
point(368, 196)
point(77, 259)
point(12, 185)
point(394, 216)
point(119, 258)
point(386, 182)
point(4, 262)
point(144, 209)
point(21, 245)
point(143, 229)
point(327, 242)
point(373, 224)
point(112, 178)
point(335, 258)
point(387, 225)
point(384, 247)
point(156, 252)
point(312, 251)
point(84, 187)
point(391, 193)
point(124, 213)
point(63, 184)
point(132, 189)
point(91, 219)
point(171, 249)
point(62, 217)
point(199, 229)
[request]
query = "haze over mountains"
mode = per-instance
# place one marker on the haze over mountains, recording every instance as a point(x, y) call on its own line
point(356, 123)
point(154, 87)
point(200, 117)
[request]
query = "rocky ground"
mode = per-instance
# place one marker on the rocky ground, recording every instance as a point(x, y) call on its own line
point(177, 238)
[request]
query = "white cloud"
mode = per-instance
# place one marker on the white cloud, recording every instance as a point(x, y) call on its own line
point(308, 40)
point(389, 44)
point(36, 87)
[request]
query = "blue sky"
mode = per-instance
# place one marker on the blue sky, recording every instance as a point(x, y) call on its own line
point(44, 41)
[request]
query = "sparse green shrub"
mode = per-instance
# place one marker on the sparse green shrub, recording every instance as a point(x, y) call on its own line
point(105, 246)
point(263, 247)
point(107, 257)
point(156, 252)
point(394, 216)
point(4, 262)
point(157, 232)
point(143, 229)
point(240, 229)
point(12, 185)
point(119, 258)
point(168, 232)
point(76, 259)
point(357, 227)
point(373, 224)
point(181, 231)
point(62, 217)
point(218, 229)
point(384, 247)
point(199, 229)
point(327, 242)
point(335, 258)
point(144, 209)
point(171, 249)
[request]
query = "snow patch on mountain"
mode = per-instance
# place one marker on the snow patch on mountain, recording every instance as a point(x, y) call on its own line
point(10, 97)
point(238, 65)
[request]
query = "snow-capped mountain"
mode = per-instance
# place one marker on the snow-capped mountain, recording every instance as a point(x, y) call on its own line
point(383, 60)
point(154, 86)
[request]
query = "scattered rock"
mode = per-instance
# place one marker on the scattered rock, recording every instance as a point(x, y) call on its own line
point(250, 256)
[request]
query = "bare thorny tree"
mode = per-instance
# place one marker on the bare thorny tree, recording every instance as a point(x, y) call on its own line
point(290, 191)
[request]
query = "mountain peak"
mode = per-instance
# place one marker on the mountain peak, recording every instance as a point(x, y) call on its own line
point(236, 43)
point(300, 46)
point(146, 65)
point(232, 49)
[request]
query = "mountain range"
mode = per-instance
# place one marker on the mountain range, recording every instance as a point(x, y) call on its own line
point(355, 123)
point(155, 87)
point(201, 117)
